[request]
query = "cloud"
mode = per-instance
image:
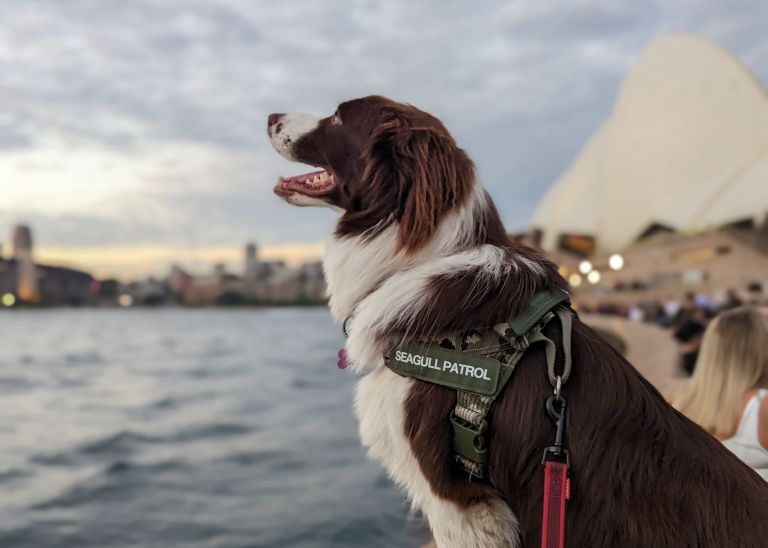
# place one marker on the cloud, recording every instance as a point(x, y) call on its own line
point(143, 121)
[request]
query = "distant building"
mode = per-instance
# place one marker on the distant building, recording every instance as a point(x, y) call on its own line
point(150, 292)
point(684, 150)
point(21, 240)
point(251, 269)
point(27, 289)
point(669, 194)
point(668, 264)
point(178, 281)
point(42, 284)
point(55, 285)
point(197, 290)
point(59, 285)
point(313, 287)
point(263, 282)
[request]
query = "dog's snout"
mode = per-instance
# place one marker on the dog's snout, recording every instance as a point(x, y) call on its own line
point(274, 119)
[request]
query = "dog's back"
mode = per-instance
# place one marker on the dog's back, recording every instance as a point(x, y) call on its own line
point(642, 474)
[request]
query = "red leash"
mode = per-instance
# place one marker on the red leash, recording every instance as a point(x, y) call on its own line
point(556, 492)
point(557, 486)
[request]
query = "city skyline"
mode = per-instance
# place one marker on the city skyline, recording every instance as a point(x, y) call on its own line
point(251, 279)
point(157, 261)
point(133, 136)
point(140, 261)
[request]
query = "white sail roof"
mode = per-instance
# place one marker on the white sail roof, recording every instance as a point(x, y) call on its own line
point(686, 146)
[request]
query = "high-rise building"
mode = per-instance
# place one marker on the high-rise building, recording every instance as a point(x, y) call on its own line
point(21, 240)
point(27, 288)
point(251, 260)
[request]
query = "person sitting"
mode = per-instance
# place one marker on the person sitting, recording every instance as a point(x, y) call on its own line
point(689, 336)
point(728, 392)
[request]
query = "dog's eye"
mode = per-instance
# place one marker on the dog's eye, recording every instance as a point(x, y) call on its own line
point(336, 119)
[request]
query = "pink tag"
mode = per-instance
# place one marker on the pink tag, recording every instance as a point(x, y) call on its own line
point(342, 363)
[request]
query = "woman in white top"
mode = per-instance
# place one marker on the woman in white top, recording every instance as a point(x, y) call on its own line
point(728, 393)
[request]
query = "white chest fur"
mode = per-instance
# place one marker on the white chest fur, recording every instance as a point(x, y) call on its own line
point(380, 407)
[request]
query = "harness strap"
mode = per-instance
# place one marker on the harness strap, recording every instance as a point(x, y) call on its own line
point(556, 492)
point(469, 427)
point(469, 415)
point(479, 378)
point(566, 320)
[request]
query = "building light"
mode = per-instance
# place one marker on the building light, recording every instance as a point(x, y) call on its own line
point(585, 267)
point(574, 279)
point(125, 300)
point(594, 277)
point(616, 262)
point(9, 299)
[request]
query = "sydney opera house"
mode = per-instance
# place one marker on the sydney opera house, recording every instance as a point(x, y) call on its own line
point(671, 193)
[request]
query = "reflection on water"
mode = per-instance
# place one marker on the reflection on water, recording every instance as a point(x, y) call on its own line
point(184, 428)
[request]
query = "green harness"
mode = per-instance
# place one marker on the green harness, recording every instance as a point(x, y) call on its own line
point(479, 363)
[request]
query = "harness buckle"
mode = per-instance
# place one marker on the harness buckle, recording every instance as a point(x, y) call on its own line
point(558, 386)
point(556, 406)
point(469, 441)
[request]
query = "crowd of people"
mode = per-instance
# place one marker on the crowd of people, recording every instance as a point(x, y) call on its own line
point(724, 349)
point(687, 318)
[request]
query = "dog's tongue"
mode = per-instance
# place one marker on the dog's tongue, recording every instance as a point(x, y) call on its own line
point(313, 184)
point(342, 363)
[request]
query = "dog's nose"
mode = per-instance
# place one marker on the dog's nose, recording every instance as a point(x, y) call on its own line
point(273, 119)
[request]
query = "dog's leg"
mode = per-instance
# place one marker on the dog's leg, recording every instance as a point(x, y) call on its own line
point(484, 525)
point(379, 404)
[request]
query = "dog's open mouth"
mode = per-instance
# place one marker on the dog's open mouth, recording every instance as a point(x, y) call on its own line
point(317, 183)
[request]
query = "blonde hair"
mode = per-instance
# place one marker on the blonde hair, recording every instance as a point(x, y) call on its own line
point(733, 359)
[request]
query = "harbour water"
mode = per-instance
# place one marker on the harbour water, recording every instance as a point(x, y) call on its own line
point(175, 427)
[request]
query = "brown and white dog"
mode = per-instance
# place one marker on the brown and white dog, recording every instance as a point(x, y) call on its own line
point(419, 250)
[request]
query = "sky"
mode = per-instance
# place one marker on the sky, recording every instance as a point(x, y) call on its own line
point(132, 134)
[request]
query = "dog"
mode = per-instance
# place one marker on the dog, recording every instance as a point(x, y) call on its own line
point(419, 250)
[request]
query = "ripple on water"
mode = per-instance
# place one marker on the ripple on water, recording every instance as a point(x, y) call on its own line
point(121, 480)
point(83, 358)
point(194, 428)
point(218, 430)
point(12, 475)
point(117, 444)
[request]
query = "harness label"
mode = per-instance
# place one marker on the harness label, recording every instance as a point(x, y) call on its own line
point(453, 368)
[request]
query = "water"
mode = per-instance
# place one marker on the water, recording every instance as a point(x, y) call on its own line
point(195, 428)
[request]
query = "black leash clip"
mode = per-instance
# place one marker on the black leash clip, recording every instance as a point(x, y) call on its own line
point(556, 410)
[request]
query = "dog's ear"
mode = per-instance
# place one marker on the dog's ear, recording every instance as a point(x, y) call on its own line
point(419, 166)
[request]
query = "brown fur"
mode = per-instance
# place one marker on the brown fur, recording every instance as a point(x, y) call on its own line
point(642, 474)
point(393, 163)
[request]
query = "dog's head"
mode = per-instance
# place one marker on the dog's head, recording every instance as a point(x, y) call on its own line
point(381, 162)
